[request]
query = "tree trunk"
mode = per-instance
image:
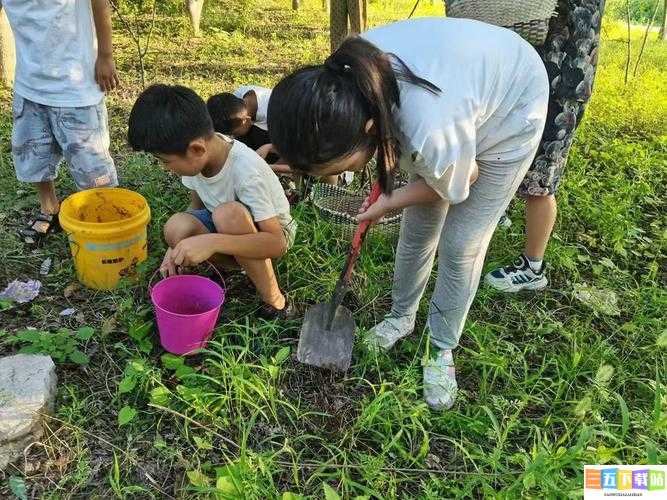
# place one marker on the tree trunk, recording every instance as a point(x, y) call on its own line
point(337, 22)
point(663, 29)
point(342, 11)
point(364, 4)
point(7, 50)
point(194, 8)
point(355, 11)
point(295, 4)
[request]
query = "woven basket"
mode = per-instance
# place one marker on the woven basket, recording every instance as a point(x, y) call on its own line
point(528, 18)
point(340, 206)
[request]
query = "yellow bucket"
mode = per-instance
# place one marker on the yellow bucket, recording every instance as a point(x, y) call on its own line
point(107, 234)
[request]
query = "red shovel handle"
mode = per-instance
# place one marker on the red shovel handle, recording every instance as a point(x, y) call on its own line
point(362, 227)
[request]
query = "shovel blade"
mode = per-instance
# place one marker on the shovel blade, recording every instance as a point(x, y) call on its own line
point(325, 347)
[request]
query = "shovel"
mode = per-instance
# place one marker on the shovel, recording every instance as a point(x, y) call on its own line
point(327, 333)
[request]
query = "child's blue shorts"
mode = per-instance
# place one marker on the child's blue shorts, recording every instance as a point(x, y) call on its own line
point(205, 217)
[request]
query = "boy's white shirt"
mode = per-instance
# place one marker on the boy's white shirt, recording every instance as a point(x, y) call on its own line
point(56, 51)
point(263, 95)
point(247, 178)
point(486, 75)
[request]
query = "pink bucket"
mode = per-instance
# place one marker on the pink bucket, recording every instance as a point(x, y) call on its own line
point(186, 308)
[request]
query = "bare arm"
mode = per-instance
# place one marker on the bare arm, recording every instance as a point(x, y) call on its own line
point(268, 243)
point(415, 193)
point(195, 201)
point(105, 68)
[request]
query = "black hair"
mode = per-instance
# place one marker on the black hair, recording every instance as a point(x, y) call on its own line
point(224, 109)
point(166, 119)
point(319, 113)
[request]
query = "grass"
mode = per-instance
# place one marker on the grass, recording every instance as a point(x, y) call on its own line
point(548, 383)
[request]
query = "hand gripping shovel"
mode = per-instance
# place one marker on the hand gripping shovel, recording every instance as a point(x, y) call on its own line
point(328, 328)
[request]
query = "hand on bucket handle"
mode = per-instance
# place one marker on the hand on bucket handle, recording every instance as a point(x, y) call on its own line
point(210, 264)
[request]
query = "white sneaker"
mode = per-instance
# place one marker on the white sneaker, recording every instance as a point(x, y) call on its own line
point(392, 329)
point(440, 385)
point(519, 276)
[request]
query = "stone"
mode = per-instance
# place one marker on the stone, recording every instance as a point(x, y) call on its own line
point(27, 393)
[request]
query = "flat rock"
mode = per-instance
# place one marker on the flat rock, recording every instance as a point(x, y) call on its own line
point(27, 392)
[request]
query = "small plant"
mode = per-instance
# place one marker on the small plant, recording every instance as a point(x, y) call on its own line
point(63, 346)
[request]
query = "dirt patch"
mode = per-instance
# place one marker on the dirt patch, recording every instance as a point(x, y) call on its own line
point(325, 392)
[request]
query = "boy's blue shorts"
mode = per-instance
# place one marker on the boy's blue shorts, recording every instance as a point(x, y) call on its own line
point(205, 217)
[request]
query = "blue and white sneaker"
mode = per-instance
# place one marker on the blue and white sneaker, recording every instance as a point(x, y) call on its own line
point(517, 277)
point(505, 222)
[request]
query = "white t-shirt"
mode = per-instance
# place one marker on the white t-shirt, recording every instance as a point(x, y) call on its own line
point(247, 178)
point(263, 95)
point(56, 50)
point(493, 98)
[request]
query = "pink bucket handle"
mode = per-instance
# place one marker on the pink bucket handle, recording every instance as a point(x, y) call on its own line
point(222, 280)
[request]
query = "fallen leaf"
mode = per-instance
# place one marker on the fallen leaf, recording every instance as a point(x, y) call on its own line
point(604, 374)
point(70, 289)
point(108, 326)
point(662, 339)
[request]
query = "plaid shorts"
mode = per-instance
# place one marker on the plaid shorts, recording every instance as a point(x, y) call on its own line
point(43, 135)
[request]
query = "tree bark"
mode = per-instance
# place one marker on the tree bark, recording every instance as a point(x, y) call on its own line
point(663, 29)
point(337, 22)
point(7, 50)
point(364, 4)
point(342, 11)
point(355, 12)
point(295, 4)
point(194, 8)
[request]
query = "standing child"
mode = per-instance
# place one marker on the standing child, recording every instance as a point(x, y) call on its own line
point(237, 207)
point(451, 99)
point(570, 55)
point(63, 67)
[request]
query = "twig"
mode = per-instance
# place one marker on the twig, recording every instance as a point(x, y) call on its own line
point(627, 62)
point(136, 37)
point(414, 9)
point(152, 28)
point(648, 28)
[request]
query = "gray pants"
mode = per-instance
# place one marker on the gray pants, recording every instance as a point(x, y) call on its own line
point(460, 234)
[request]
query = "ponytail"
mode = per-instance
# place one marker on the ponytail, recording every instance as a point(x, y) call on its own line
point(319, 113)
